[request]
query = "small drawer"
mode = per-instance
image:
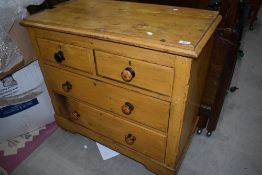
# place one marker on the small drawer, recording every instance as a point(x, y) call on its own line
point(65, 54)
point(137, 73)
point(136, 137)
point(128, 104)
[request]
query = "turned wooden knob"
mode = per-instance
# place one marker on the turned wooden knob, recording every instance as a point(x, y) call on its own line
point(59, 56)
point(127, 108)
point(128, 74)
point(130, 139)
point(75, 115)
point(67, 86)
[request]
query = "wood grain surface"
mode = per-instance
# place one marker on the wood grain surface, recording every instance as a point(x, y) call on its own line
point(74, 56)
point(166, 28)
point(148, 76)
point(147, 110)
point(147, 141)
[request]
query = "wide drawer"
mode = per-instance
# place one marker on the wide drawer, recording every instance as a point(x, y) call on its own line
point(136, 137)
point(65, 54)
point(146, 110)
point(134, 72)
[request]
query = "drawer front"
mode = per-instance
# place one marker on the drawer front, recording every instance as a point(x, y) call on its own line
point(65, 54)
point(127, 133)
point(138, 73)
point(144, 109)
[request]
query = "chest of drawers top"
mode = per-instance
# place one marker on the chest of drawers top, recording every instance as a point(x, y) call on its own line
point(176, 30)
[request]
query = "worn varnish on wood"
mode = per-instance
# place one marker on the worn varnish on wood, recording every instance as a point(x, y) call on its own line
point(127, 75)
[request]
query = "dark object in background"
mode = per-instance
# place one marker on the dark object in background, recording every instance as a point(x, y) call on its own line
point(226, 44)
point(214, 5)
point(47, 4)
point(254, 8)
point(222, 65)
point(233, 89)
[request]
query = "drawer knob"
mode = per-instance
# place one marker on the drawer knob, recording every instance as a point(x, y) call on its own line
point(75, 115)
point(130, 139)
point(67, 86)
point(128, 74)
point(59, 56)
point(127, 108)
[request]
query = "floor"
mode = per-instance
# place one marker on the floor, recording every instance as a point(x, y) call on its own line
point(235, 148)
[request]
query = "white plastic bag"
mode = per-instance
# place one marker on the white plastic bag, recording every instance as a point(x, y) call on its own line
point(11, 10)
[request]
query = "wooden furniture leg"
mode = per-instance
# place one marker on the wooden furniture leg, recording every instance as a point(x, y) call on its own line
point(204, 113)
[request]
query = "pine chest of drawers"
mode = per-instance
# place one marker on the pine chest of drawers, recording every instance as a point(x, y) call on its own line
point(127, 75)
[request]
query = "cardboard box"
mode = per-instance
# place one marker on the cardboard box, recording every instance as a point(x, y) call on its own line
point(24, 102)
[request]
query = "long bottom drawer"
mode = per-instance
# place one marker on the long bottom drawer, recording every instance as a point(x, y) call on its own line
point(134, 136)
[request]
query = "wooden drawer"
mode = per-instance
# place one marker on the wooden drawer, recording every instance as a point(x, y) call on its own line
point(136, 137)
point(147, 110)
point(145, 75)
point(65, 54)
